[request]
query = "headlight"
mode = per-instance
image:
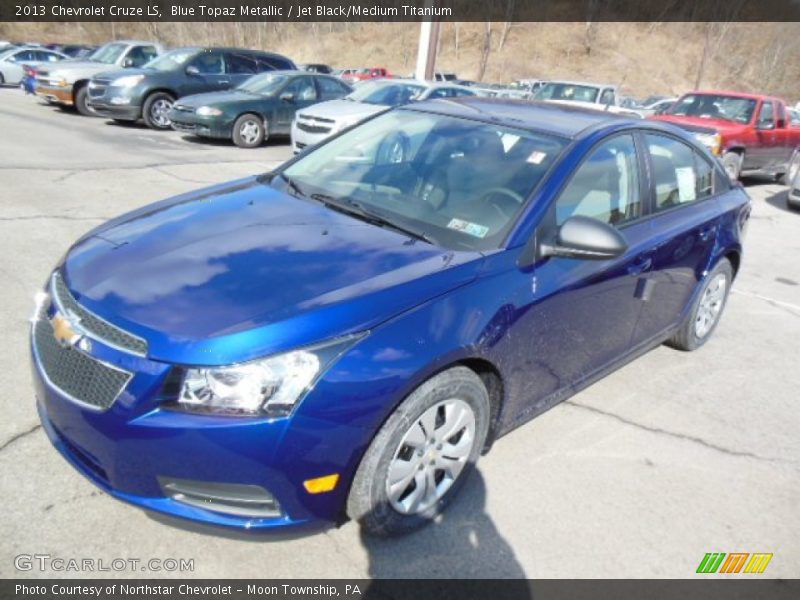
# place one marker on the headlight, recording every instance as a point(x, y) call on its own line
point(712, 141)
point(208, 111)
point(127, 81)
point(270, 387)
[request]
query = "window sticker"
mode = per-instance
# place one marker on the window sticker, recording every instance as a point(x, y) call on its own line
point(537, 157)
point(472, 229)
point(687, 184)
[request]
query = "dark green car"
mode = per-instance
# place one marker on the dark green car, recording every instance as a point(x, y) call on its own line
point(262, 106)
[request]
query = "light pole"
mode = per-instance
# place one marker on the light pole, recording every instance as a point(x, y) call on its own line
point(426, 55)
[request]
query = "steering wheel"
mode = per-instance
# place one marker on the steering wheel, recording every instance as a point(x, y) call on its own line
point(500, 206)
point(504, 191)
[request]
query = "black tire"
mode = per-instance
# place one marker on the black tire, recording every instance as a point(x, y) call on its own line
point(368, 501)
point(732, 161)
point(81, 99)
point(792, 168)
point(249, 131)
point(153, 110)
point(687, 337)
point(2, 79)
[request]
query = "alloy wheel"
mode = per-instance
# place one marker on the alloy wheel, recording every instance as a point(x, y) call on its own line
point(249, 131)
point(431, 456)
point(159, 111)
point(710, 305)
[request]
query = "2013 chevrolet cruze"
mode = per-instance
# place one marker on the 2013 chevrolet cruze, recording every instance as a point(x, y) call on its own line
point(344, 336)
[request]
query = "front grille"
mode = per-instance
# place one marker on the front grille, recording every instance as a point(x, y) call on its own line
point(92, 325)
point(78, 376)
point(178, 126)
point(312, 128)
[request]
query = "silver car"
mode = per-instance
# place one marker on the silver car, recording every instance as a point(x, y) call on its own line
point(11, 61)
point(320, 121)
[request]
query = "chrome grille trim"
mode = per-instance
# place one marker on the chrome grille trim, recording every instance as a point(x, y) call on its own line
point(93, 326)
point(81, 373)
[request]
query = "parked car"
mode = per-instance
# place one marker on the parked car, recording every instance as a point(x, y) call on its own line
point(67, 83)
point(345, 335)
point(793, 197)
point(601, 96)
point(363, 74)
point(261, 107)
point(316, 68)
point(149, 93)
point(794, 117)
point(369, 98)
point(531, 86)
point(749, 132)
point(658, 107)
point(78, 50)
point(446, 77)
point(12, 60)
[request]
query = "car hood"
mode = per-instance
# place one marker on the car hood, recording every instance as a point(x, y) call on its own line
point(243, 270)
point(346, 110)
point(702, 124)
point(224, 97)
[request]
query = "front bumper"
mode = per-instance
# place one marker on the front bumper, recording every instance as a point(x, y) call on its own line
point(302, 139)
point(193, 124)
point(61, 95)
point(133, 446)
point(124, 112)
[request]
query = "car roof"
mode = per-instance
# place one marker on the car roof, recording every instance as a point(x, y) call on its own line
point(544, 117)
point(732, 94)
point(586, 83)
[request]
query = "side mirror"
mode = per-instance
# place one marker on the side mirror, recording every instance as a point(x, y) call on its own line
point(585, 238)
point(766, 125)
point(127, 63)
point(192, 70)
point(287, 97)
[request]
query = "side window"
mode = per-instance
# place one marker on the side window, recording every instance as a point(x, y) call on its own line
point(303, 89)
point(607, 97)
point(677, 175)
point(209, 63)
point(766, 118)
point(330, 88)
point(266, 63)
point(140, 55)
point(441, 93)
point(605, 186)
point(240, 64)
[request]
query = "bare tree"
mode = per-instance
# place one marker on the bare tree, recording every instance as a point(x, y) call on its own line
point(485, 51)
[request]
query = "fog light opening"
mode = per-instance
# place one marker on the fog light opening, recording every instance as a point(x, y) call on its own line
point(320, 485)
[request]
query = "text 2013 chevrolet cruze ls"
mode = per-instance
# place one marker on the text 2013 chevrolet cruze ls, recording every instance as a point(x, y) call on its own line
point(345, 335)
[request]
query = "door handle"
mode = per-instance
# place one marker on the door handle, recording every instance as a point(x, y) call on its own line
point(706, 233)
point(642, 264)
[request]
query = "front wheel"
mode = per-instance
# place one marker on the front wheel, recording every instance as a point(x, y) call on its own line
point(81, 102)
point(249, 131)
point(422, 455)
point(155, 110)
point(732, 162)
point(707, 309)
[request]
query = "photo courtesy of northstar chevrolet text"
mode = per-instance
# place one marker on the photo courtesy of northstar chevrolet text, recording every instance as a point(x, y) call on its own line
point(420, 291)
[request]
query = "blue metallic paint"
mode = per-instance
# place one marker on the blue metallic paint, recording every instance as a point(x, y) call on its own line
point(241, 270)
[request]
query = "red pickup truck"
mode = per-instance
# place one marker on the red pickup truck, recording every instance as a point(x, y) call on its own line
point(366, 73)
point(749, 132)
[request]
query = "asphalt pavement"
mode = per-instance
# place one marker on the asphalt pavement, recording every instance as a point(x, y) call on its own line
point(673, 456)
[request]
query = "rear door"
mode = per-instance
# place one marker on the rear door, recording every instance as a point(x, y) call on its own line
point(684, 221)
point(240, 67)
point(762, 154)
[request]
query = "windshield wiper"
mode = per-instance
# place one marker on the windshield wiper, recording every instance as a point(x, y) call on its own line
point(292, 185)
point(359, 211)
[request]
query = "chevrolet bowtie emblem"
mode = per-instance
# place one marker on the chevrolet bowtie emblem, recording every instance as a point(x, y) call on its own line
point(64, 330)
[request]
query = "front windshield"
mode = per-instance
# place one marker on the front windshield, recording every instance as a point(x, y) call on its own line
point(386, 93)
point(265, 84)
point(172, 59)
point(8, 52)
point(567, 91)
point(460, 183)
point(715, 106)
point(108, 54)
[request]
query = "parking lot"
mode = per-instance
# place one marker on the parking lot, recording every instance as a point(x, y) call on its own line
point(673, 456)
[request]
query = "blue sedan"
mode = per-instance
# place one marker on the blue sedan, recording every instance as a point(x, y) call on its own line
point(345, 336)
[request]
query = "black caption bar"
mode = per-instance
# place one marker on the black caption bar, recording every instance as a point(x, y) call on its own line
point(393, 589)
point(398, 10)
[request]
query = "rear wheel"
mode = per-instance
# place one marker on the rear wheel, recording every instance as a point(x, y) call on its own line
point(249, 131)
point(707, 309)
point(156, 109)
point(732, 161)
point(81, 102)
point(422, 455)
